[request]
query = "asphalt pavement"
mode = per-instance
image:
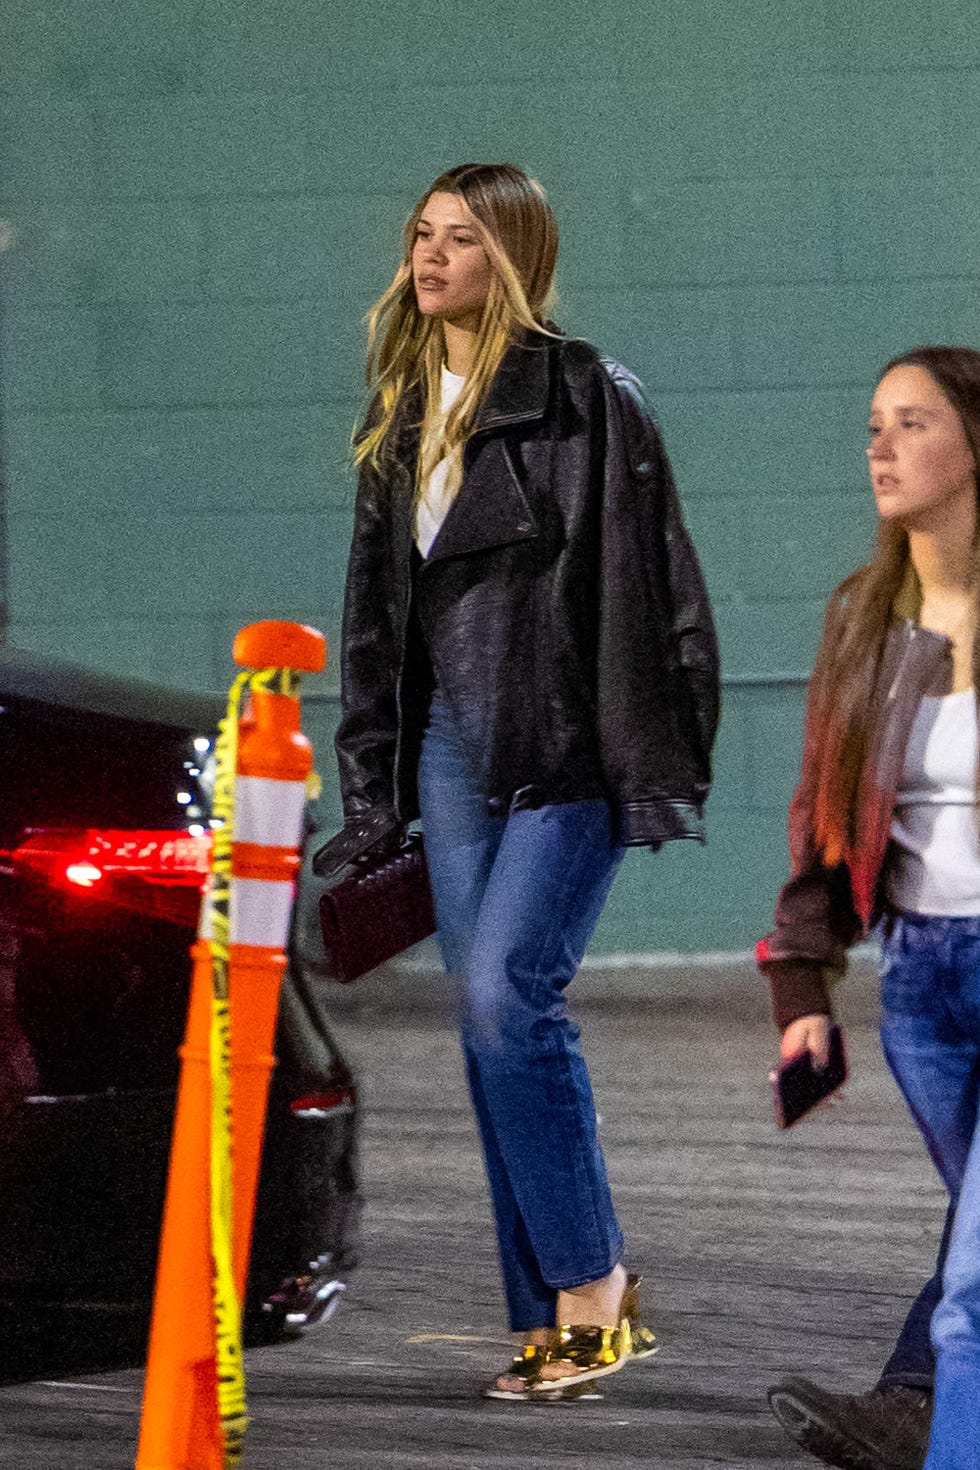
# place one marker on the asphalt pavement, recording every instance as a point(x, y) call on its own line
point(762, 1253)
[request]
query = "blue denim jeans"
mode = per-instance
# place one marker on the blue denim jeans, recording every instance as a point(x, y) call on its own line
point(516, 899)
point(930, 1029)
point(913, 1362)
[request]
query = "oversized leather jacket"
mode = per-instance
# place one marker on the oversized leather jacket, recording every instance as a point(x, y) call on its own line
point(561, 609)
point(822, 910)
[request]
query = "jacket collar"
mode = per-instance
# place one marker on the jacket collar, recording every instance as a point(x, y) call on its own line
point(518, 394)
point(491, 508)
point(519, 391)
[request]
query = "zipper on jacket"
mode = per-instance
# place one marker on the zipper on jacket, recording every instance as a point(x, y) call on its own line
point(911, 629)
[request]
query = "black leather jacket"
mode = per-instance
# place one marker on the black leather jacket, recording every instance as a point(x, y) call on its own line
point(561, 609)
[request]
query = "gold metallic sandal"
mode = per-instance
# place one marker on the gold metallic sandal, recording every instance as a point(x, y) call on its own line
point(591, 1352)
point(643, 1342)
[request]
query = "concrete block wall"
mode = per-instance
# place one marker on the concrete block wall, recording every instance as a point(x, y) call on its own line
point(760, 201)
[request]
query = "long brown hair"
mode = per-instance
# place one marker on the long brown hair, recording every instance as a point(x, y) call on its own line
point(860, 614)
point(405, 348)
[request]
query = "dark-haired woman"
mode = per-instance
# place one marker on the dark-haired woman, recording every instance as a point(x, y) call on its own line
point(528, 663)
point(884, 822)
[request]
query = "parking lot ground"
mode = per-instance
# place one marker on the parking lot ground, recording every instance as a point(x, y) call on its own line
point(762, 1253)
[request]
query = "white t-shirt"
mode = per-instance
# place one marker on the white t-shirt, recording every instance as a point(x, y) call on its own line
point(439, 490)
point(935, 866)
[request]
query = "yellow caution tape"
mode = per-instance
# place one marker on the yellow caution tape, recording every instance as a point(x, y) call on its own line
point(232, 1411)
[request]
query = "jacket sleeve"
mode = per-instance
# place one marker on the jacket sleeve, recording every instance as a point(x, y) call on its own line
point(658, 678)
point(367, 735)
point(815, 922)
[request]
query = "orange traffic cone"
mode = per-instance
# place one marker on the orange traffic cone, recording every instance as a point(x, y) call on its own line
point(193, 1403)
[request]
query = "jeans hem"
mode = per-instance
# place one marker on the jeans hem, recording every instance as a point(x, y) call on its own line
point(924, 1381)
point(569, 1284)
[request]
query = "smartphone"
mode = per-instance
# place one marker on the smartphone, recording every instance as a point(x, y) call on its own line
point(799, 1084)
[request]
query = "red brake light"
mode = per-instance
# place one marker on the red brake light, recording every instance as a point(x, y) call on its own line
point(161, 873)
point(320, 1104)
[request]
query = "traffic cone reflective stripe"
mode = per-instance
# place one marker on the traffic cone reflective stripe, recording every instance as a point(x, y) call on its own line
point(268, 813)
point(258, 909)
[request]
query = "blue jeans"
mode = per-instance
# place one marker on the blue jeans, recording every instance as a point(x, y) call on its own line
point(913, 1362)
point(516, 899)
point(930, 1030)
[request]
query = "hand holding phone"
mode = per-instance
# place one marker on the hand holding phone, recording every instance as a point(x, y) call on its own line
point(799, 1084)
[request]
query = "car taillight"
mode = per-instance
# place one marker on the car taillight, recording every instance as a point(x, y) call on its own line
point(322, 1104)
point(162, 874)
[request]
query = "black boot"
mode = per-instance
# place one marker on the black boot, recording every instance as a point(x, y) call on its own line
point(886, 1429)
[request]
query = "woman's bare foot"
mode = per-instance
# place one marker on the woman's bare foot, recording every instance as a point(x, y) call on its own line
point(596, 1304)
point(539, 1337)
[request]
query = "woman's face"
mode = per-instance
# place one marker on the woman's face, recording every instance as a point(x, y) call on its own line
point(451, 271)
point(922, 466)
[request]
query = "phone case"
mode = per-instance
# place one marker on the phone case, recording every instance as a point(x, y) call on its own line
point(799, 1085)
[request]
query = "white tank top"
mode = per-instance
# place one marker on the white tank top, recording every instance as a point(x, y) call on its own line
point(439, 490)
point(935, 857)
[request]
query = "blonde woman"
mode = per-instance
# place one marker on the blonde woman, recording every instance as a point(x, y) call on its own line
point(529, 663)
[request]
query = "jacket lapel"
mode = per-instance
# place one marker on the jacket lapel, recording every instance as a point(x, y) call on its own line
point(491, 508)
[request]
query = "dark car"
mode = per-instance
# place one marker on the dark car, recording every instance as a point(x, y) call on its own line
point(104, 842)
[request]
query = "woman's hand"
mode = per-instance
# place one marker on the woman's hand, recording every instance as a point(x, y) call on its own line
point(375, 831)
point(807, 1033)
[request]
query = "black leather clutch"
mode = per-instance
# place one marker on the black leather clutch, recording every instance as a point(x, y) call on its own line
point(380, 905)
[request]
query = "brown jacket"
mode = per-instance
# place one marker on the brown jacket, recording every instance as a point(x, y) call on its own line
point(822, 910)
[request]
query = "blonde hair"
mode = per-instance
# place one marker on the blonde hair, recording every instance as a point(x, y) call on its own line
point(518, 231)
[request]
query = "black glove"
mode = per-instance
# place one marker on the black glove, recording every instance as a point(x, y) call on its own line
point(375, 831)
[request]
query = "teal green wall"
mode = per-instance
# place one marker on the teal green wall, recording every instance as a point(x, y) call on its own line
point(760, 201)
